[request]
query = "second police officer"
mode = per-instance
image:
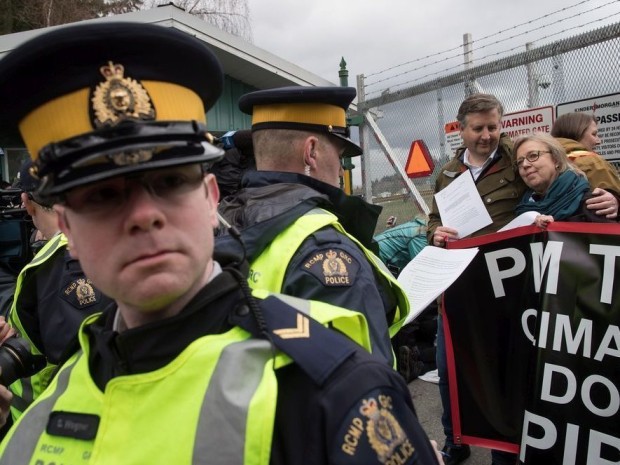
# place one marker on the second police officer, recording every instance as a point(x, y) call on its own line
point(305, 237)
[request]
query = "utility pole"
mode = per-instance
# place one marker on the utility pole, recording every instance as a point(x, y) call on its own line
point(346, 182)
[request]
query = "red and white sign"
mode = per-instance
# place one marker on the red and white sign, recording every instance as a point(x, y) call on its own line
point(453, 135)
point(528, 121)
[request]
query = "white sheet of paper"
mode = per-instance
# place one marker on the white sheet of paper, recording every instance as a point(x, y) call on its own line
point(461, 207)
point(524, 219)
point(430, 273)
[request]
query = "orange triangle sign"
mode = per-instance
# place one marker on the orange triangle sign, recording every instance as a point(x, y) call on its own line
point(420, 163)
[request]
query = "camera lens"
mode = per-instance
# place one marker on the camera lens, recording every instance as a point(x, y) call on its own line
point(16, 361)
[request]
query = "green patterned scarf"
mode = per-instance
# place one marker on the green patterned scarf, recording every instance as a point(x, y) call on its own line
point(562, 199)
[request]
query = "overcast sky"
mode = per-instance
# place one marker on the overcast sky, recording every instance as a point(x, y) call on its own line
point(373, 35)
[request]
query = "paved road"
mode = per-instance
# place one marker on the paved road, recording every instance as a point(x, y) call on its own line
point(428, 407)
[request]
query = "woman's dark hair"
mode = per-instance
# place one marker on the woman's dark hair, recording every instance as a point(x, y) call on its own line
point(572, 125)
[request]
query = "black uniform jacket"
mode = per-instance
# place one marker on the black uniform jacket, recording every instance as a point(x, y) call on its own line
point(361, 414)
point(271, 201)
point(54, 299)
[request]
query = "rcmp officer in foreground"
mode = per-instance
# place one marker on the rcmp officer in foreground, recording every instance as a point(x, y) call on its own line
point(52, 295)
point(292, 213)
point(186, 355)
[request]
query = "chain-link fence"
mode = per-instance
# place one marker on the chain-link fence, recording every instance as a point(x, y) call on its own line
point(576, 68)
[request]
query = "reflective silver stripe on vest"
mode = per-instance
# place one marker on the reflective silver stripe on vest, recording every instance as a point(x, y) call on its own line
point(51, 249)
point(21, 446)
point(221, 432)
point(22, 402)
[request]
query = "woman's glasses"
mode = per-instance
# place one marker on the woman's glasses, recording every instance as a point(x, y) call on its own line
point(531, 157)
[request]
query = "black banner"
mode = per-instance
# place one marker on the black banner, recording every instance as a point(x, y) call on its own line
point(533, 344)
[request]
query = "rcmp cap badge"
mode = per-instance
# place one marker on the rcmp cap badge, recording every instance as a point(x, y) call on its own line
point(120, 98)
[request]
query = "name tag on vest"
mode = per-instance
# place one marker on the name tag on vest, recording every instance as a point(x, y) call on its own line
point(73, 425)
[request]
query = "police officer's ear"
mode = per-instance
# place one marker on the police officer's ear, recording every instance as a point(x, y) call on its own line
point(310, 146)
point(28, 204)
point(212, 193)
point(63, 225)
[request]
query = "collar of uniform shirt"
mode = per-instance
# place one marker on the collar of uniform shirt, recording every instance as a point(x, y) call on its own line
point(476, 170)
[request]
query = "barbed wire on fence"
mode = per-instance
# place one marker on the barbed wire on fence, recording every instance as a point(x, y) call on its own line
point(368, 85)
point(480, 60)
point(576, 68)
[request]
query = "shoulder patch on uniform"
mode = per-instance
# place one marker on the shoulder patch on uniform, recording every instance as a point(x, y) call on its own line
point(80, 293)
point(373, 431)
point(333, 267)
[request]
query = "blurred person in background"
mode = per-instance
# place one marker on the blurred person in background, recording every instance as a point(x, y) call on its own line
point(52, 295)
point(238, 158)
point(578, 134)
point(398, 244)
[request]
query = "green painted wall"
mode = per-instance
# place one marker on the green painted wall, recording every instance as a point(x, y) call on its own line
point(225, 115)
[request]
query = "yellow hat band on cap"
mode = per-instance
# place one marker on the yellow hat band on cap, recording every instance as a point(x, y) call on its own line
point(304, 113)
point(69, 115)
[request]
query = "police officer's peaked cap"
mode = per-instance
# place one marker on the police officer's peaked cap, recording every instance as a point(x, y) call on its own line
point(316, 109)
point(25, 181)
point(98, 100)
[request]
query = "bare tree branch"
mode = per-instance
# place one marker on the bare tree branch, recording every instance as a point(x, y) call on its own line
point(232, 16)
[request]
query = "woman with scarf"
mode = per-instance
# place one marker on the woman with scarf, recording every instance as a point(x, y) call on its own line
point(556, 190)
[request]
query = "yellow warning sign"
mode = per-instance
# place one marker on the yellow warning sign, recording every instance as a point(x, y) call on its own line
point(420, 163)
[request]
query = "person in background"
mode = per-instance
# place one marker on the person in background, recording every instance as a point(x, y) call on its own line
point(578, 134)
point(16, 242)
point(187, 355)
point(580, 128)
point(291, 210)
point(399, 244)
point(556, 190)
point(238, 158)
point(414, 344)
point(391, 221)
point(52, 295)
